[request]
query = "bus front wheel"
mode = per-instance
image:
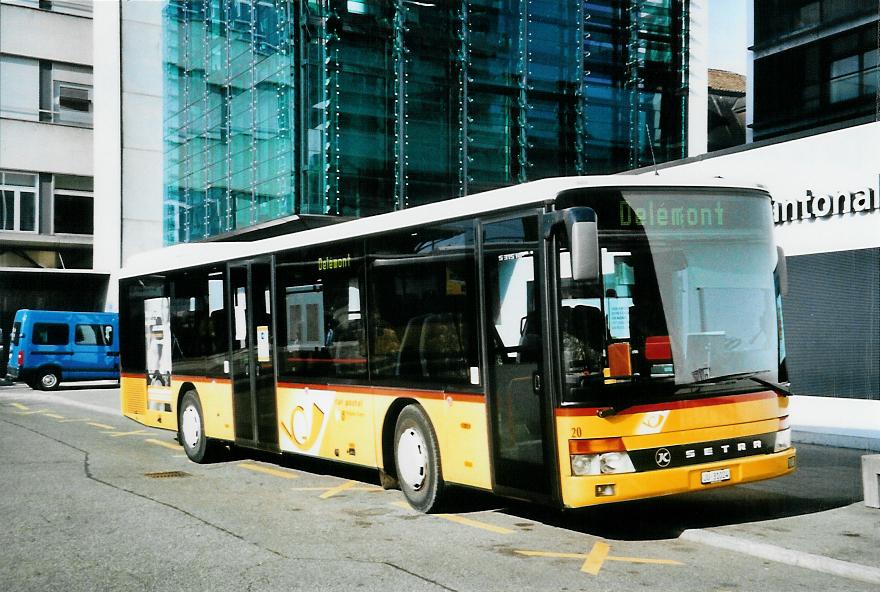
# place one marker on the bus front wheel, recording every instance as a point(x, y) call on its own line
point(191, 429)
point(417, 459)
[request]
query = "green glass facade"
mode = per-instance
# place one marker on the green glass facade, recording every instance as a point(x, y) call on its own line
point(357, 107)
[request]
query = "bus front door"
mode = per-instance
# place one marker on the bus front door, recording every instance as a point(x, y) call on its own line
point(512, 268)
point(253, 375)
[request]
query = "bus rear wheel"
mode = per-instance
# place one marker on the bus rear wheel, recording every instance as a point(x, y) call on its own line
point(417, 459)
point(191, 429)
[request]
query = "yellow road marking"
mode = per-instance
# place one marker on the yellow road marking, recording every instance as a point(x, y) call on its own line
point(338, 489)
point(597, 556)
point(475, 523)
point(465, 521)
point(20, 406)
point(86, 419)
point(134, 433)
point(268, 470)
point(37, 412)
point(550, 554)
point(367, 488)
point(54, 416)
point(103, 426)
point(163, 444)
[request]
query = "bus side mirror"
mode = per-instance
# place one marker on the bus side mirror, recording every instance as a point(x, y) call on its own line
point(781, 271)
point(582, 230)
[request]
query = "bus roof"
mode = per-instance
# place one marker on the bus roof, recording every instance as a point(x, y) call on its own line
point(185, 255)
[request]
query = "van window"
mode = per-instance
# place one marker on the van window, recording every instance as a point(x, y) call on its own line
point(50, 334)
point(94, 335)
point(16, 333)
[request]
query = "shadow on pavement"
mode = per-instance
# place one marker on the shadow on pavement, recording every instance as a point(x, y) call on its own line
point(827, 478)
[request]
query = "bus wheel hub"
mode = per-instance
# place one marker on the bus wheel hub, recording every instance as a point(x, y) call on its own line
point(412, 458)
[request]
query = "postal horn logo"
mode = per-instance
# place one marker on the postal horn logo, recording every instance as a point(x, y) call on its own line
point(662, 457)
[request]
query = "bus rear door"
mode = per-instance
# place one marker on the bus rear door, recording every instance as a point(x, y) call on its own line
point(253, 372)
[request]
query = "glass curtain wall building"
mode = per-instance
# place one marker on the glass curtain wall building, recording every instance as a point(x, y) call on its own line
point(275, 108)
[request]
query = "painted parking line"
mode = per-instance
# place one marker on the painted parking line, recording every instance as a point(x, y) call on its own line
point(20, 406)
point(475, 523)
point(347, 486)
point(54, 416)
point(268, 471)
point(163, 444)
point(132, 433)
point(80, 420)
point(461, 520)
point(103, 426)
point(596, 558)
point(37, 412)
point(338, 489)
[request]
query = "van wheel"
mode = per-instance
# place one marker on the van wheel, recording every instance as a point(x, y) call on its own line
point(417, 459)
point(191, 429)
point(48, 379)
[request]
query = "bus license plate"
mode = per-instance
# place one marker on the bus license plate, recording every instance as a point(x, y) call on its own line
point(716, 476)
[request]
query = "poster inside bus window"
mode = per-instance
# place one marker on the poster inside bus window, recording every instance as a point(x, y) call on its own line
point(157, 332)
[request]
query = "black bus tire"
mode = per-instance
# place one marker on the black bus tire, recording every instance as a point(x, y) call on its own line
point(191, 429)
point(47, 379)
point(417, 459)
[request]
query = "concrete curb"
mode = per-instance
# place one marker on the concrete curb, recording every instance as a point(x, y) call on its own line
point(820, 563)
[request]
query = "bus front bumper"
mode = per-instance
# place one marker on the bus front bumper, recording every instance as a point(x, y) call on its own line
point(581, 491)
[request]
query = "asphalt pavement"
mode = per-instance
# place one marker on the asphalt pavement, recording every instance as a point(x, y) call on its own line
point(94, 501)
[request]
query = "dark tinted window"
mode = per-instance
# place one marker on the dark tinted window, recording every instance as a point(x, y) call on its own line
point(423, 305)
point(74, 214)
point(189, 296)
point(132, 319)
point(93, 335)
point(50, 334)
point(321, 326)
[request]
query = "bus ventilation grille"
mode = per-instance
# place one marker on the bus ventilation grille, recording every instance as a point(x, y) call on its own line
point(167, 475)
point(134, 397)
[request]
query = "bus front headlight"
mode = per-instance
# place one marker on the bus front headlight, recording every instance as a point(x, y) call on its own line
point(601, 464)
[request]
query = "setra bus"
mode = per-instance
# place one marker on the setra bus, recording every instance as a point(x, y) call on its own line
point(569, 341)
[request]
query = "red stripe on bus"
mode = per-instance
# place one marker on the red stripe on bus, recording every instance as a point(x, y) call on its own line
point(388, 391)
point(670, 405)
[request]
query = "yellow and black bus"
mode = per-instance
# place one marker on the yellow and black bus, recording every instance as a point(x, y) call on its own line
point(570, 341)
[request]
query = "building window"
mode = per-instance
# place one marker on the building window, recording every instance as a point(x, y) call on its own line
point(853, 77)
point(73, 208)
point(18, 208)
point(72, 102)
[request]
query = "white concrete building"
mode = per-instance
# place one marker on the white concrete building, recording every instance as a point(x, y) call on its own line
point(128, 131)
point(47, 213)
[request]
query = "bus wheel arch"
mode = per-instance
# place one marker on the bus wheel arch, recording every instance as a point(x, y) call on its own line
point(47, 378)
point(191, 427)
point(417, 459)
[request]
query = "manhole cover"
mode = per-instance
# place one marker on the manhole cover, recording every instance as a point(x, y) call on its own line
point(166, 475)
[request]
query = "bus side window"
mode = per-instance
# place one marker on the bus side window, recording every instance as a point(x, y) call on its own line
point(321, 330)
point(423, 295)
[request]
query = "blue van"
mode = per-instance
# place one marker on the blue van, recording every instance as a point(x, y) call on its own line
point(48, 346)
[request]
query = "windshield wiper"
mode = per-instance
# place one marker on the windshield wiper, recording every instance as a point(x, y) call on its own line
point(777, 388)
point(753, 376)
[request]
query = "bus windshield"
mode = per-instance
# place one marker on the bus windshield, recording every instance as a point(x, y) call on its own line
point(687, 297)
